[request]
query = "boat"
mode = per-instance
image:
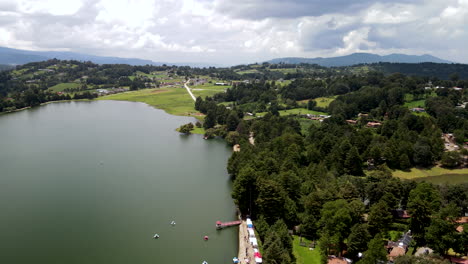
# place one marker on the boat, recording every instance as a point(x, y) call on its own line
point(173, 223)
point(156, 236)
point(205, 238)
point(204, 262)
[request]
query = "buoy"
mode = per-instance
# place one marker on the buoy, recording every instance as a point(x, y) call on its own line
point(205, 238)
point(156, 236)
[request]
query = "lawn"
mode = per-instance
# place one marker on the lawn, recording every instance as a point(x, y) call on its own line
point(247, 71)
point(62, 86)
point(414, 104)
point(303, 254)
point(285, 70)
point(295, 111)
point(306, 123)
point(175, 101)
point(208, 90)
point(324, 101)
point(435, 175)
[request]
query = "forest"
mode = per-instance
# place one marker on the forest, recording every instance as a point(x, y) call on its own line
point(333, 183)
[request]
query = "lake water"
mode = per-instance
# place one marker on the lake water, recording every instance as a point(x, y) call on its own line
point(92, 182)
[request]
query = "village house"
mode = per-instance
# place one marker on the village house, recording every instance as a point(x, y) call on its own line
point(336, 260)
point(400, 213)
point(400, 247)
point(418, 110)
point(374, 124)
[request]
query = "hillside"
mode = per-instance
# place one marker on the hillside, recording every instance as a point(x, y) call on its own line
point(18, 57)
point(360, 58)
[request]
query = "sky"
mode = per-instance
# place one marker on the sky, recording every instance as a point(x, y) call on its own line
point(228, 32)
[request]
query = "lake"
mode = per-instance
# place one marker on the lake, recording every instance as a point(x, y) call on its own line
point(92, 182)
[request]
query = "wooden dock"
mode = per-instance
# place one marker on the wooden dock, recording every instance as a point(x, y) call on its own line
point(221, 225)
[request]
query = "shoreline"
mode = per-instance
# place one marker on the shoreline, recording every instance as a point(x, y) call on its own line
point(245, 248)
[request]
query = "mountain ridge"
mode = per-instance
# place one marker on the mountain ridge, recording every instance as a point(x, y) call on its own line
point(360, 58)
point(10, 56)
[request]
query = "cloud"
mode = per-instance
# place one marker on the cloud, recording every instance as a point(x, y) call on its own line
point(244, 31)
point(261, 9)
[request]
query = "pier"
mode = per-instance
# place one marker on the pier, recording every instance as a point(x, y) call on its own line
point(221, 225)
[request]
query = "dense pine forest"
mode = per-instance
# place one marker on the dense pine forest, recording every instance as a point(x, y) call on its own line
point(332, 182)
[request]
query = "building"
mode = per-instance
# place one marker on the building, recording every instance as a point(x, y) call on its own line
point(418, 110)
point(374, 124)
point(336, 260)
point(400, 247)
point(400, 213)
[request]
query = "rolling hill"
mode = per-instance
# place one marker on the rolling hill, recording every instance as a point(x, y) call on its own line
point(360, 58)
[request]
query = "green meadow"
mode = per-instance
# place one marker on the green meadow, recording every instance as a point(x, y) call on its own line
point(303, 254)
point(62, 86)
point(436, 175)
point(175, 101)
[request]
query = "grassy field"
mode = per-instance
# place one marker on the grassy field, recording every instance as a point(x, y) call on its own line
point(285, 70)
point(436, 175)
point(303, 254)
point(208, 90)
point(62, 86)
point(175, 101)
point(324, 101)
point(247, 71)
point(306, 123)
point(295, 111)
point(418, 103)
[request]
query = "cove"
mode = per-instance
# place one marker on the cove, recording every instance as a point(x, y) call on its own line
point(92, 182)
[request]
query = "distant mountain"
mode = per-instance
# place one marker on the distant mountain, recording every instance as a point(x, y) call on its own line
point(16, 57)
point(360, 58)
point(10, 56)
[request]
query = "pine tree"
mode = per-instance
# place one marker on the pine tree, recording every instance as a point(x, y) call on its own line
point(353, 162)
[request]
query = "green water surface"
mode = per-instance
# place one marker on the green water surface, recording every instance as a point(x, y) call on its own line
point(92, 182)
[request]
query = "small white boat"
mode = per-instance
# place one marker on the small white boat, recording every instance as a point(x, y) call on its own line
point(173, 223)
point(204, 262)
point(156, 236)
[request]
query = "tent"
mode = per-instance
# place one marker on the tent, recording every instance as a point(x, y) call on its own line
point(249, 222)
point(251, 232)
point(253, 241)
point(258, 260)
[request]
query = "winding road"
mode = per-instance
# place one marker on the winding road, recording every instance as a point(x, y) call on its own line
point(188, 90)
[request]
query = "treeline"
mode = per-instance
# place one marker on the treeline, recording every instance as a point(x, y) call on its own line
point(316, 184)
point(428, 69)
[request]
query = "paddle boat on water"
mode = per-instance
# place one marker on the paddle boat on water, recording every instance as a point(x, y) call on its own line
point(173, 223)
point(204, 262)
point(156, 236)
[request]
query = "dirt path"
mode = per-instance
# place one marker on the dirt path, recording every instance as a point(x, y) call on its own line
point(189, 91)
point(244, 245)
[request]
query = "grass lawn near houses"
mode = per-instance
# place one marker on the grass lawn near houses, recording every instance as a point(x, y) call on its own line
point(324, 101)
point(208, 89)
point(414, 104)
point(303, 254)
point(62, 86)
point(295, 111)
point(175, 101)
point(436, 175)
